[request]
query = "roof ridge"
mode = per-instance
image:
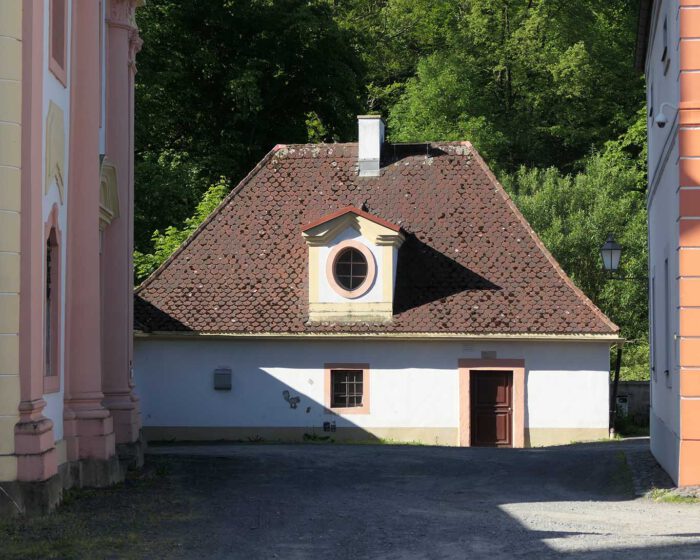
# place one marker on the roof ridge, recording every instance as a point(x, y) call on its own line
point(509, 201)
point(331, 144)
point(242, 183)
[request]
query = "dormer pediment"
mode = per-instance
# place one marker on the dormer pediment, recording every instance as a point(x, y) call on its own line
point(352, 258)
point(372, 228)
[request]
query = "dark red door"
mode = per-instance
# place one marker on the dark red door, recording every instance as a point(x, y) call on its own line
point(492, 408)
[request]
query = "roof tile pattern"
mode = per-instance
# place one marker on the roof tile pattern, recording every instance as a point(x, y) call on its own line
point(470, 263)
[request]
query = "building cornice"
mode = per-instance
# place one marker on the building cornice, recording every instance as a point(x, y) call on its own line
point(489, 337)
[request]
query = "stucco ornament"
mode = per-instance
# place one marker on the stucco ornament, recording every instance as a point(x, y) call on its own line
point(123, 12)
point(55, 149)
point(135, 44)
point(109, 193)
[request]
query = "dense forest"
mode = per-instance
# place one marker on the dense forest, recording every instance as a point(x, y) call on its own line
point(545, 89)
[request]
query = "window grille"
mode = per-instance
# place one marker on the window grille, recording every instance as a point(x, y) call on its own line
point(351, 269)
point(347, 386)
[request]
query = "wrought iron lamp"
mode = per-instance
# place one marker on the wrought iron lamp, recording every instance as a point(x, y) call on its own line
point(611, 251)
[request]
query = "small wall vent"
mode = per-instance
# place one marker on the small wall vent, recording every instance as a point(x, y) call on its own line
point(222, 379)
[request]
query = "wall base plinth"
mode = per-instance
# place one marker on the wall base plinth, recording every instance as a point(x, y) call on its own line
point(42, 497)
point(37, 459)
point(33, 498)
point(131, 455)
point(543, 437)
point(89, 432)
point(124, 408)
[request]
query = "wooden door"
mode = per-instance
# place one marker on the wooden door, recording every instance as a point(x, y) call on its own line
point(491, 395)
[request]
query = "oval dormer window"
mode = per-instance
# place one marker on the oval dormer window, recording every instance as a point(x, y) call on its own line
point(350, 269)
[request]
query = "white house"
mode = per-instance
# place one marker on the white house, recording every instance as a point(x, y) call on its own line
point(370, 292)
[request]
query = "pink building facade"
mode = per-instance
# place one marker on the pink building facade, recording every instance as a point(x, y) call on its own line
point(68, 412)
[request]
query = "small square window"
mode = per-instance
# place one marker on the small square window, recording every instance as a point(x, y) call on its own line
point(347, 388)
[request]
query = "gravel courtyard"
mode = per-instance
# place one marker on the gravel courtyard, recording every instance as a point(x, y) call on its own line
point(363, 501)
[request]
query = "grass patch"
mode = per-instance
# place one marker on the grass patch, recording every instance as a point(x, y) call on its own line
point(671, 497)
point(620, 481)
point(143, 517)
point(315, 438)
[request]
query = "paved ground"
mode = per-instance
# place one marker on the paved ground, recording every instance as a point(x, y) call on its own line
point(380, 502)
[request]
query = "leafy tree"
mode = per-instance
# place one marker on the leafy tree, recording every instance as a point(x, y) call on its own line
point(533, 83)
point(573, 214)
point(220, 82)
point(391, 37)
point(165, 243)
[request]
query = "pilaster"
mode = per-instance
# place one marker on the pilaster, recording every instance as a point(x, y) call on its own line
point(89, 429)
point(123, 42)
point(689, 243)
point(34, 438)
point(10, 195)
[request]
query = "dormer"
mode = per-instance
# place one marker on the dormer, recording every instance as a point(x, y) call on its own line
point(352, 258)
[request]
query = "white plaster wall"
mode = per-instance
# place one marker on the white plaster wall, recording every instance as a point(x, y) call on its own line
point(413, 384)
point(53, 90)
point(327, 293)
point(663, 207)
point(663, 243)
point(666, 87)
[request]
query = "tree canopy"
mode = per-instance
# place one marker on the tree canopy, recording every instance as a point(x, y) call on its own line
point(532, 83)
point(220, 83)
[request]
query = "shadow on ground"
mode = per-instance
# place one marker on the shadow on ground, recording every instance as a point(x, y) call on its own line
point(364, 501)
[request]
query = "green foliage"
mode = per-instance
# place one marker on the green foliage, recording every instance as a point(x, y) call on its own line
point(573, 213)
point(165, 243)
point(635, 361)
point(532, 83)
point(220, 82)
point(672, 496)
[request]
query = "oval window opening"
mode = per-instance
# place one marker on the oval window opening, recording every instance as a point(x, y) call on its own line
point(350, 269)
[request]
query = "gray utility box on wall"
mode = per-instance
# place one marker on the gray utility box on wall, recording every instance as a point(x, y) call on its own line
point(222, 379)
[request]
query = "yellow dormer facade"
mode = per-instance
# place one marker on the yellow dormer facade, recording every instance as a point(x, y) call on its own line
point(352, 259)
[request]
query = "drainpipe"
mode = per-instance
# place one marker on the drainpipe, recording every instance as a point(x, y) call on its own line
point(613, 394)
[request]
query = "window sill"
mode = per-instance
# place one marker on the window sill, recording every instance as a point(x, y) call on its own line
point(347, 411)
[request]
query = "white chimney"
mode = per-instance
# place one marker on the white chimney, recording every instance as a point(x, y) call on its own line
point(370, 139)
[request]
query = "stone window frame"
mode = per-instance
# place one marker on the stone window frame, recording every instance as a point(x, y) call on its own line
point(363, 288)
point(58, 64)
point(328, 388)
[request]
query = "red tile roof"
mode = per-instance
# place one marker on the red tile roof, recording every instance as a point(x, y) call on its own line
point(470, 263)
